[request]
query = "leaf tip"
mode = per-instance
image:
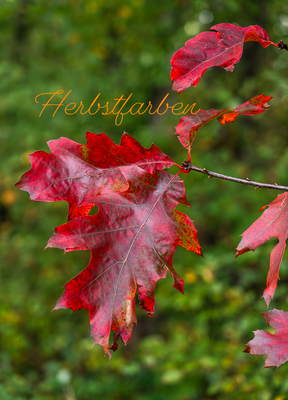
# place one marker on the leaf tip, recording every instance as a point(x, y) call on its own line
point(114, 346)
point(247, 349)
point(267, 298)
point(60, 305)
point(240, 251)
point(179, 285)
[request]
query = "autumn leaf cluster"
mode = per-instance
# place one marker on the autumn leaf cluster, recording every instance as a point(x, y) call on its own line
point(133, 236)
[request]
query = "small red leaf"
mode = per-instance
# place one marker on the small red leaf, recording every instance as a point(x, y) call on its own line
point(274, 345)
point(132, 239)
point(78, 174)
point(189, 125)
point(272, 223)
point(223, 48)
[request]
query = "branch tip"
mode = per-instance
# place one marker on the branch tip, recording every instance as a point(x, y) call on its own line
point(281, 45)
point(186, 165)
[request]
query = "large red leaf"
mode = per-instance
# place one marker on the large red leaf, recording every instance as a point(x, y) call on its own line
point(189, 125)
point(272, 223)
point(79, 173)
point(223, 48)
point(274, 345)
point(132, 240)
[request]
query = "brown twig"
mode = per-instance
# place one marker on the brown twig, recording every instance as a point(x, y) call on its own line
point(187, 166)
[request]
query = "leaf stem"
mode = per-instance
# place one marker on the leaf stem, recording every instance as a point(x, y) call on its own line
point(189, 167)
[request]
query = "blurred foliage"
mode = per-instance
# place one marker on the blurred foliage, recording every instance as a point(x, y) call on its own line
point(192, 348)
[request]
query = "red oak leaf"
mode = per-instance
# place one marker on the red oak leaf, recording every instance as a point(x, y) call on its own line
point(189, 125)
point(223, 48)
point(274, 345)
point(272, 223)
point(78, 174)
point(132, 239)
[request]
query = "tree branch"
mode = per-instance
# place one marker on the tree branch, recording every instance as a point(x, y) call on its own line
point(187, 166)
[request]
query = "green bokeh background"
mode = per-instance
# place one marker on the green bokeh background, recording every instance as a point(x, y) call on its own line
point(193, 347)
